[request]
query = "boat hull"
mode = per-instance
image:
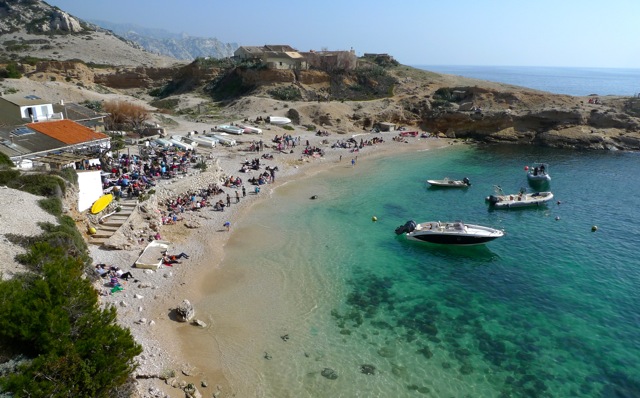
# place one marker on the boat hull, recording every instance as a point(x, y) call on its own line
point(448, 183)
point(455, 233)
point(456, 240)
point(515, 201)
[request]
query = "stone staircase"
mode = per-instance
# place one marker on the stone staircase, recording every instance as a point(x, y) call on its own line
point(112, 223)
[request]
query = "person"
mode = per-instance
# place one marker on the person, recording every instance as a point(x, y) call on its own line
point(228, 200)
point(353, 162)
point(102, 271)
point(244, 192)
point(227, 225)
point(166, 260)
point(237, 197)
point(123, 275)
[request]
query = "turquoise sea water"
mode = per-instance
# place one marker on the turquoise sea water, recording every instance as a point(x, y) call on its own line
point(550, 310)
point(558, 80)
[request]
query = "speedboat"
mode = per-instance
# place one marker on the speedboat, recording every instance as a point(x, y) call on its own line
point(538, 173)
point(520, 199)
point(446, 182)
point(449, 233)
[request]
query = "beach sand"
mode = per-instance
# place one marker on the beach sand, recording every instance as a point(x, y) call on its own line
point(182, 349)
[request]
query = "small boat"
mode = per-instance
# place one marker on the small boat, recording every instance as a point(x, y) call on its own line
point(181, 145)
point(279, 120)
point(449, 233)
point(226, 141)
point(538, 173)
point(225, 128)
point(521, 199)
point(162, 142)
point(203, 141)
point(446, 182)
point(250, 129)
point(101, 203)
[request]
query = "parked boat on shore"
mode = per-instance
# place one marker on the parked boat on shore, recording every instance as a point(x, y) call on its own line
point(279, 120)
point(226, 128)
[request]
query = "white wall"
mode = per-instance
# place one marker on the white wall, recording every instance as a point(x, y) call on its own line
point(90, 186)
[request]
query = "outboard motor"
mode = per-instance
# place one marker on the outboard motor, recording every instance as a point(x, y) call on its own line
point(466, 181)
point(493, 199)
point(409, 226)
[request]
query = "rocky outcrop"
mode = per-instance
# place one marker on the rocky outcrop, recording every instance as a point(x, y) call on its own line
point(185, 311)
point(254, 77)
point(61, 21)
point(140, 77)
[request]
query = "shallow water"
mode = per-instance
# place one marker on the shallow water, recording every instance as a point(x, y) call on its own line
point(551, 309)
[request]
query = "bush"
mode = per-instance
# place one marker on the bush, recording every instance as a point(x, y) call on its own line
point(288, 93)
point(51, 205)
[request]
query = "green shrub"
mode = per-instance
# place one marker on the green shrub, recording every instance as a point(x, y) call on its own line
point(77, 349)
point(69, 174)
point(287, 127)
point(51, 205)
point(5, 161)
point(287, 93)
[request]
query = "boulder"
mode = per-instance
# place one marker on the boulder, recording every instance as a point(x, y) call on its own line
point(185, 311)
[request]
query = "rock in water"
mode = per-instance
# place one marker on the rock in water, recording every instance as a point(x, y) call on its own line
point(368, 369)
point(185, 312)
point(329, 373)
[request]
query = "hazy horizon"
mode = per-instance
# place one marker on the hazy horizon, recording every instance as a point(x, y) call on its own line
point(573, 33)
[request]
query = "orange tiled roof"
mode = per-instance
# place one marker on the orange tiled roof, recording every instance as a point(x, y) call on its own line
point(67, 131)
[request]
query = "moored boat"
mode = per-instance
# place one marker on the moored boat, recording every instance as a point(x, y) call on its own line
point(520, 199)
point(538, 173)
point(447, 182)
point(449, 233)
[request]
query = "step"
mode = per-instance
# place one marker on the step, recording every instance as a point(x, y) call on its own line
point(98, 241)
point(112, 224)
point(100, 234)
point(112, 228)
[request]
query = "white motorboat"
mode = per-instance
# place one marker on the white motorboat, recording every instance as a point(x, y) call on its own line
point(446, 182)
point(226, 141)
point(203, 141)
point(538, 173)
point(225, 128)
point(449, 233)
point(181, 145)
point(250, 129)
point(520, 199)
point(278, 120)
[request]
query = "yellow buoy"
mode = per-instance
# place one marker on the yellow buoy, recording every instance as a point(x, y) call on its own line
point(374, 218)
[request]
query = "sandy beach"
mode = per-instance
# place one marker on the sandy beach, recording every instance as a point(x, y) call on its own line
point(173, 353)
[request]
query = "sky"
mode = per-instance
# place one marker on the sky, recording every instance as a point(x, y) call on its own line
point(570, 33)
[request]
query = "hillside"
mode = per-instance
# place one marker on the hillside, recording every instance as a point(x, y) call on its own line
point(31, 28)
point(77, 63)
point(173, 45)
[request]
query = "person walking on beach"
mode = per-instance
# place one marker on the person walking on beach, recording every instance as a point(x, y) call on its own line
point(228, 200)
point(244, 192)
point(353, 162)
point(237, 197)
